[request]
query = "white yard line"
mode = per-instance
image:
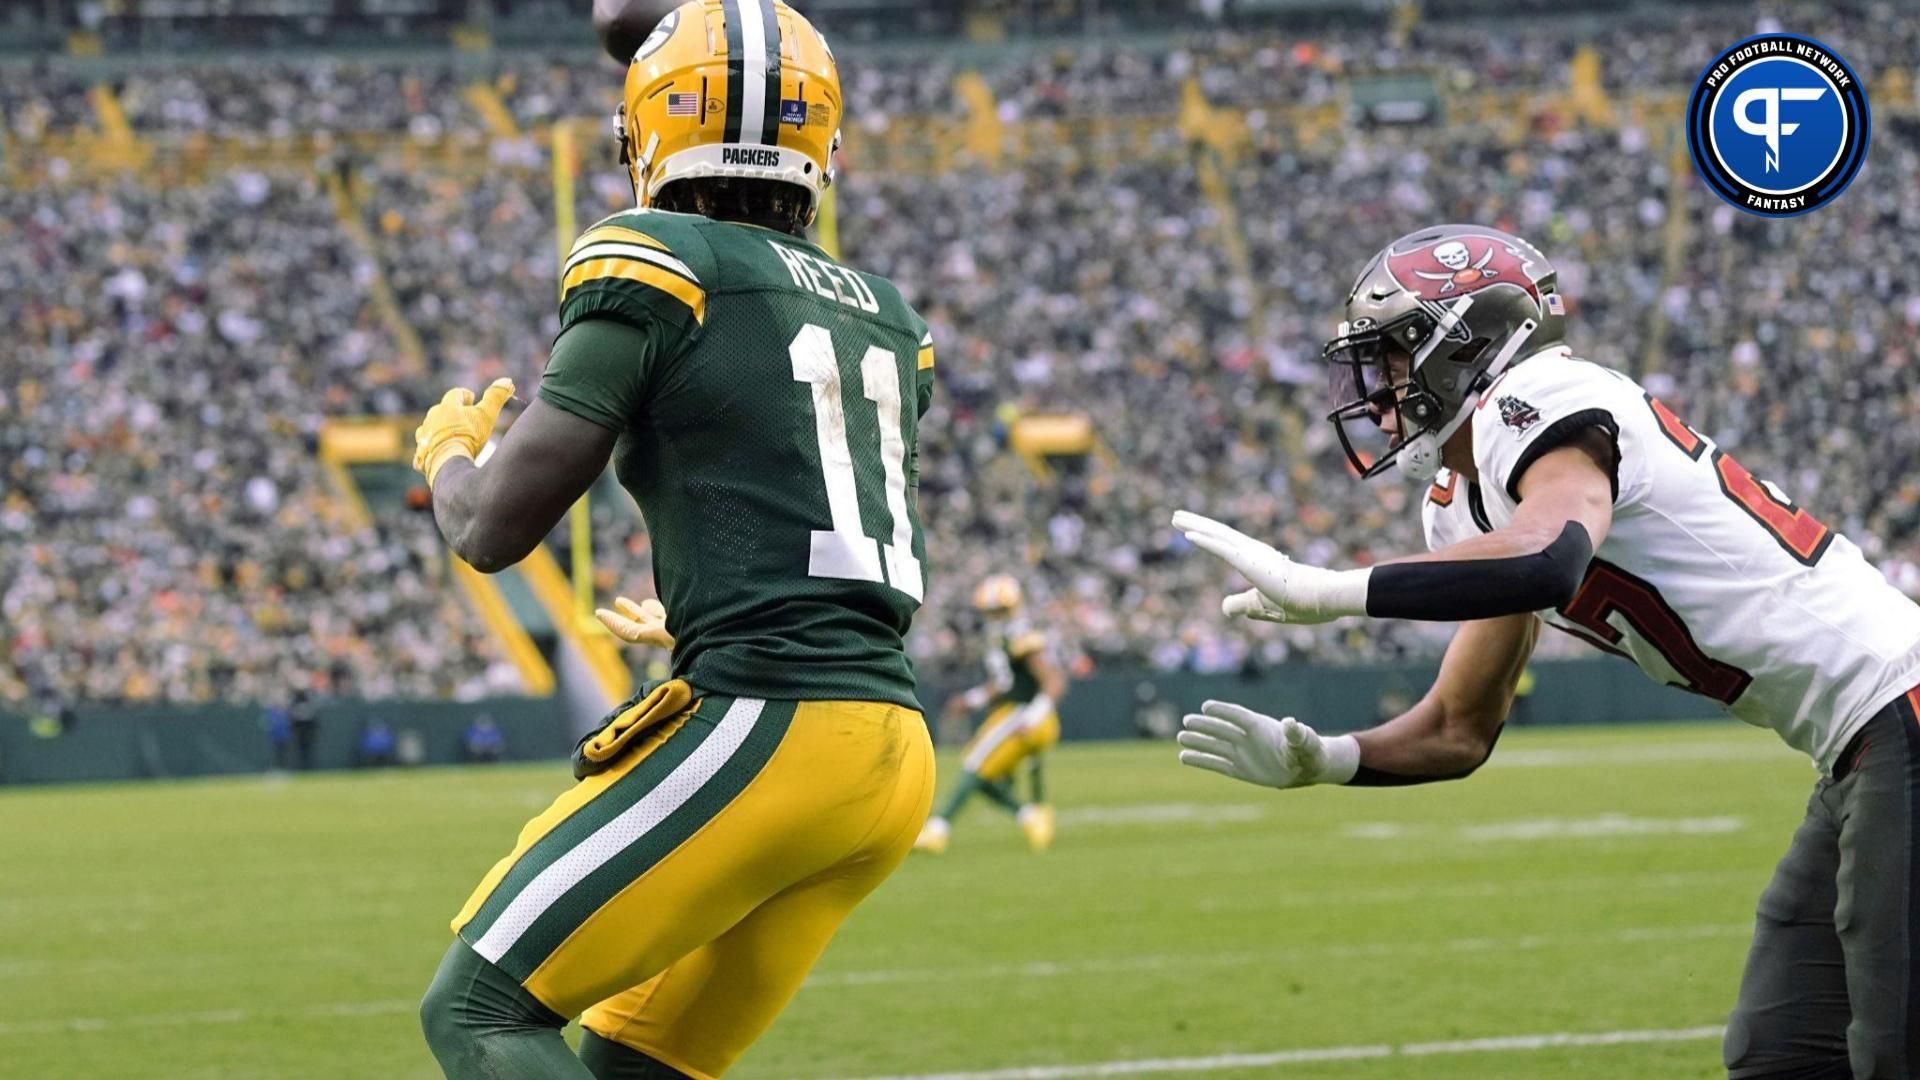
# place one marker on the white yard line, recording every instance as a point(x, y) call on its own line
point(1037, 970)
point(1215, 1063)
point(1112, 965)
point(1163, 814)
point(1758, 746)
point(204, 1017)
point(1598, 827)
point(1511, 1043)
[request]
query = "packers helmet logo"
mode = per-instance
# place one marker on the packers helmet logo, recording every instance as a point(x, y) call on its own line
point(1452, 266)
point(731, 88)
point(659, 36)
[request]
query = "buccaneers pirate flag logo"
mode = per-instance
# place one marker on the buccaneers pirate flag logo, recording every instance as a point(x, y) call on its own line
point(1449, 268)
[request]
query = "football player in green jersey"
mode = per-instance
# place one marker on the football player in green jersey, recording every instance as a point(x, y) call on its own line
point(761, 402)
point(1023, 686)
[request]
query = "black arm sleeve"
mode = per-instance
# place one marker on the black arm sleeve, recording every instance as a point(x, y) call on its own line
point(1482, 588)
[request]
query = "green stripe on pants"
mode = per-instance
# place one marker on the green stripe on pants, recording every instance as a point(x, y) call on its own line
point(594, 816)
point(632, 844)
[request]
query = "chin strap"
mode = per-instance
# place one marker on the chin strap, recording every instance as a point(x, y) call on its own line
point(1420, 458)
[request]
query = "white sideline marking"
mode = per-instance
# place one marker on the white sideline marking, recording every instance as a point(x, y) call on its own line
point(1758, 748)
point(1112, 965)
point(1164, 814)
point(1600, 827)
point(1562, 1038)
point(1042, 969)
point(1504, 1044)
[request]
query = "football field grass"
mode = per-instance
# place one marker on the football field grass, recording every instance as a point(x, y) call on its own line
point(1578, 908)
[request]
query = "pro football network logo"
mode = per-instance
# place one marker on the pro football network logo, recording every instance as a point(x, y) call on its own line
point(1778, 125)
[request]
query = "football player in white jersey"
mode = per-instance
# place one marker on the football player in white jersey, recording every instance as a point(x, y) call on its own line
point(1562, 492)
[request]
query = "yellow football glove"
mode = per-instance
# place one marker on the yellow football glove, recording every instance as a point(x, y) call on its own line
point(458, 427)
point(644, 623)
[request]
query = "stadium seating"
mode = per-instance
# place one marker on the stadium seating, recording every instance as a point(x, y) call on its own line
point(171, 535)
point(183, 346)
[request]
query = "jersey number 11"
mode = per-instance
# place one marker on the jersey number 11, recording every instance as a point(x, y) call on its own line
point(846, 551)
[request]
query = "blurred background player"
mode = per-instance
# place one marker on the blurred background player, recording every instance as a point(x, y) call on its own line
point(761, 404)
point(1023, 687)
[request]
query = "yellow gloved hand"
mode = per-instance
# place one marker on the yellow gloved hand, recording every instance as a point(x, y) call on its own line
point(458, 427)
point(644, 623)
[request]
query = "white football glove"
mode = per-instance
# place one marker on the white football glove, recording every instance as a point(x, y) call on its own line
point(1284, 591)
point(1236, 741)
point(644, 623)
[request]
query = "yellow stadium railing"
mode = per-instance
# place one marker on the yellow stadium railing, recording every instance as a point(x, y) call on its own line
point(385, 439)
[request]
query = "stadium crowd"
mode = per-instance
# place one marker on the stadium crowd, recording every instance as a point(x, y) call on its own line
point(167, 531)
point(170, 536)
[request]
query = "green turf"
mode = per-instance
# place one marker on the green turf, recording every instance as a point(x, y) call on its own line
point(274, 928)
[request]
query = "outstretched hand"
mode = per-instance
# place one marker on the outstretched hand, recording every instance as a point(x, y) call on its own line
point(1235, 741)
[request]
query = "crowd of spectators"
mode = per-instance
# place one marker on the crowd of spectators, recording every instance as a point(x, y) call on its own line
point(471, 262)
point(168, 534)
point(275, 99)
point(1073, 77)
point(1794, 344)
point(39, 100)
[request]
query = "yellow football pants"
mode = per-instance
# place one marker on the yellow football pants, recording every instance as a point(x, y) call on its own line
point(679, 898)
point(1003, 742)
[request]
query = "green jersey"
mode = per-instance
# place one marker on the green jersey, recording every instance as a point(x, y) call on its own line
point(1010, 665)
point(767, 401)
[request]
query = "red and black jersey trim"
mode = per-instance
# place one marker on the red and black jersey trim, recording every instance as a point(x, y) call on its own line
point(1559, 434)
point(1676, 430)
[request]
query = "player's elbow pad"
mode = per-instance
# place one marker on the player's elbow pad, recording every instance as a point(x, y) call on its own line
point(1483, 588)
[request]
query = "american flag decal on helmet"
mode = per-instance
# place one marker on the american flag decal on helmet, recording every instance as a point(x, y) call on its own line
point(683, 104)
point(1555, 305)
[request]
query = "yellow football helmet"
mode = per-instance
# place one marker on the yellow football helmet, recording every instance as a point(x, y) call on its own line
point(743, 88)
point(998, 594)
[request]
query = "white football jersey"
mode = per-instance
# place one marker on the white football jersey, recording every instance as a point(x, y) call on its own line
point(1709, 579)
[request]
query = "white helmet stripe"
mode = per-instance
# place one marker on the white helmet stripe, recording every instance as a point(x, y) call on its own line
point(753, 99)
